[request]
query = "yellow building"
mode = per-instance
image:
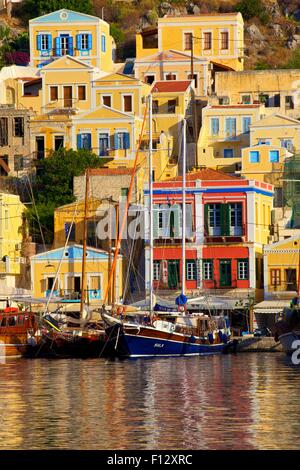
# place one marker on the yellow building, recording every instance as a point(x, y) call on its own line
point(66, 32)
point(11, 237)
point(224, 133)
point(45, 265)
point(277, 89)
point(272, 140)
point(216, 37)
point(281, 268)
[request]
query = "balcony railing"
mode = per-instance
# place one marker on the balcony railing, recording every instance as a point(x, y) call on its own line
point(61, 106)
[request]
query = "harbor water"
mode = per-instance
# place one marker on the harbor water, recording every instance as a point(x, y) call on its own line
point(245, 401)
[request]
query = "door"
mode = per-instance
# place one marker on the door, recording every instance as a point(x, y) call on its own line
point(58, 142)
point(40, 147)
point(103, 145)
point(77, 286)
point(291, 276)
point(173, 274)
point(68, 95)
point(94, 287)
point(225, 273)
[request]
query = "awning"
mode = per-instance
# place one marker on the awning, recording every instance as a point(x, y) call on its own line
point(271, 306)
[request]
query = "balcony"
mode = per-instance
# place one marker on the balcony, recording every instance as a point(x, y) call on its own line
point(65, 106)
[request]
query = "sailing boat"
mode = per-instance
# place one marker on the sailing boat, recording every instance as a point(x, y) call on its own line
point(64, 336)
point(156, 333)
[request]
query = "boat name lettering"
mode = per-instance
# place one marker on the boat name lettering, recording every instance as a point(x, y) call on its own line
point(159, 345)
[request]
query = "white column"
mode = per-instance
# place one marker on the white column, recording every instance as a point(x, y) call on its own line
point(251, 222)
point(252, 274)
point(199, 219)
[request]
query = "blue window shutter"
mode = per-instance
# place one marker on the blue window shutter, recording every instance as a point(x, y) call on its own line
point(79, 142)
point(57, 46)
point(103, 43)
point(71, 47)
point(89, 38)
point(39, 42)
point(274, 156)
point(116, 141)
point(78, 42)
point(126, 140)
point(49, 42)
point(89, 139)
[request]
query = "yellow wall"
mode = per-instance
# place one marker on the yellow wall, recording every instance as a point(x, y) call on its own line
point(263, 170)
point(77, 23)
point(40, 270)
point(171, 31)
point(11, 210)
point(211, 147)
point(281, 256)
point(255, 82)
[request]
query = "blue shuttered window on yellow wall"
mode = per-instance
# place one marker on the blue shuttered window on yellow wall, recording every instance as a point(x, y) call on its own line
point(44, 42)
point(103, 43)
point(121, 140)
point(84, 42)
point(84, 141)
point(57, 47)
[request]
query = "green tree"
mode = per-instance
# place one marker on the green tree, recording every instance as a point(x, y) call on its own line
point(53, 186)
point(34, 8)
point(117, 33)
point(251, 8)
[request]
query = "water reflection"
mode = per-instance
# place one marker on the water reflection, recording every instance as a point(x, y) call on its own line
point(248, 401)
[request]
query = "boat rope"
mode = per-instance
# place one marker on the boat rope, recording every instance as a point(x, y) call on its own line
point(117, 340)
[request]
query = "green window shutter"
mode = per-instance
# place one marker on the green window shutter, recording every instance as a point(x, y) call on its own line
point(206, 224)
point(225, 219)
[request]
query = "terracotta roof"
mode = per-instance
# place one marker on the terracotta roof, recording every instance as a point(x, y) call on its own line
point(207, 174)
point(171, 86)
point(110, 171)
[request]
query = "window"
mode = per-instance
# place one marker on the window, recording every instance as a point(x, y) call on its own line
point(122, 140)
point(18, 162)
point(127, 103)
point(274, 156)
point(195, 78)
point(172, 106)
point(224, 40)
point(263, 142)
point(228, 153)
point(58, 142)
point(207, 41)
point(44, 42)
point(214, 219)
point(72, 233)
point(263, 98)
point(188, 38)
point(64, 45)
point(81, 92)
point(207, 269)
point(156, 270)
point(287, 144)
point(254, 156)
point(246, 124)
point(3, 132)
point(243, 269)
point(106, 100)
point(84, 141)
point(191, 271)
point(104, 144)
point(289, 102)
point(53, 93)
point(246, 99)
point(124, 192)
point(155, 106)
point(215, 126)
point(19, 127)
point(171, 76)
point(149, 79)
point(103, 43)
point(84, 42)
point(160, 220)
point(230, 127)
point(275, 277)
point(236, 223)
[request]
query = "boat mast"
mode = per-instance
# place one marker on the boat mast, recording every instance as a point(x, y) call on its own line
point(83, 273)
point(151, 204)
point(183, 204)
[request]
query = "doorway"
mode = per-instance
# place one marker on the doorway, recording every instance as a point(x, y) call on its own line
point(40, 147)
point(173, 274)
point(58, 142)
point(291, 279)
point(68, 96)
point(225, 273)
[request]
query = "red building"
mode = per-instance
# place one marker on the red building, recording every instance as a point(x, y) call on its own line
point(222, 248)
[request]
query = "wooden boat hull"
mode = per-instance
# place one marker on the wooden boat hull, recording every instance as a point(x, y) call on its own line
point(147, 342)
point(55, 344)
point(13, 345)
